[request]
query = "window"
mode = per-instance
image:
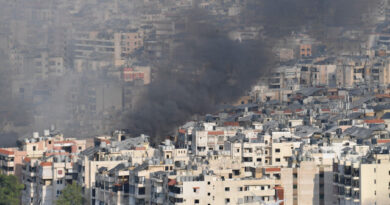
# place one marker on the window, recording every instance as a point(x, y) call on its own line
point(196, 201)
point(295, 186)
point(277, 150)
point(208, 193)
point(208, 183)
point(227, 188)
point(34, 148)
point(227, 200)
point(295, 175)
point(49, 141)
point(374, 181)
point(277, 159)
point(141, 191)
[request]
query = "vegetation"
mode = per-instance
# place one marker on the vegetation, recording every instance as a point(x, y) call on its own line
point(10, 190)
point(71, 195)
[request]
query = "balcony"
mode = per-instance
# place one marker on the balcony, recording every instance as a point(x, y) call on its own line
point(175, 195)
point(158, 200)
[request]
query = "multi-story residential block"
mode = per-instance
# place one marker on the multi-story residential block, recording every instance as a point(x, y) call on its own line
point(37, 147)
point(11, 161)
point(208, 188)
point(362, 180)
point(140, 189)
point(116, 46)
point(112, 186)
point(109, 154)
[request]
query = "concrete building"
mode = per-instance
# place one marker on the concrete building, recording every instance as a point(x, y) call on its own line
point(209, 188)
point(36, 147)
point(362, 181)
point(116, 45)
point(45, 180)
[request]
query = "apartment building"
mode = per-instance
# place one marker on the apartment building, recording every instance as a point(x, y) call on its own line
point(126, 43)
point(45, 179)
point(140, 189)
point(112, 186)
point(108, 154)
point(209, 139)
point(115, 46)
point(141, 73)
point(11, 159)
point(262, 151)
point(208, 188)
point(159, 188)
point(363, 181)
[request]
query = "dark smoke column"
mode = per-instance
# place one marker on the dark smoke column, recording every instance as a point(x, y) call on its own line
point(204, 69)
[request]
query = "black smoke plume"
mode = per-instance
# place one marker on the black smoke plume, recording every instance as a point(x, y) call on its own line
point(206, 68)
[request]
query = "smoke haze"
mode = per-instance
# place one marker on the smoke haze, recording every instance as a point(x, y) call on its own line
point(204, 69)
point(201, 66)
point(207, 68)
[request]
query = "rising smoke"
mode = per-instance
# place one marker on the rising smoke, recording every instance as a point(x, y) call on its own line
point(14, 112)
point(207, 69)
point(199, 70)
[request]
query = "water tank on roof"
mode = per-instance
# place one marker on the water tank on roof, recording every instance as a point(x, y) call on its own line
point(46, 133)
point(36, 134)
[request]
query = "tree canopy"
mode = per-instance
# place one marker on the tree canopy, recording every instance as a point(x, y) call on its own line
point(10, 190)
point(71, 195)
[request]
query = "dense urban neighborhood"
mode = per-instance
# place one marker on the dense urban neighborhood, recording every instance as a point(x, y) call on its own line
point(86, 116)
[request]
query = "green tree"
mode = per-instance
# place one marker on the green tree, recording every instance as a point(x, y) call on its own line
point(71, 195)
point(10, 190)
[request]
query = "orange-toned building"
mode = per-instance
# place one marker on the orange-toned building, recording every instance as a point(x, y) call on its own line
point(36, 147)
